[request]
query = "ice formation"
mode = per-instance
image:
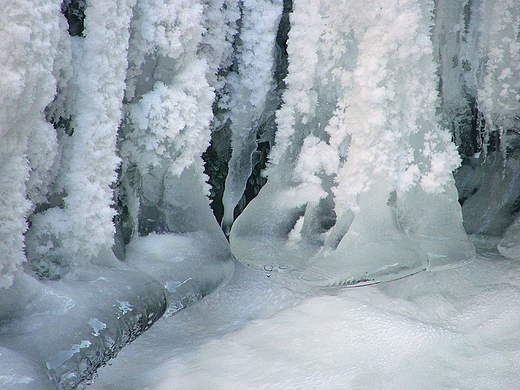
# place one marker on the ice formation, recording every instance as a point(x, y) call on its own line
point(440, 330)
point(251, 86)
point(360, 169)
point(365, 109)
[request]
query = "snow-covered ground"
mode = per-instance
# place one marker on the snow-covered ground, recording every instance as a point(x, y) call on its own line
point(453, 329)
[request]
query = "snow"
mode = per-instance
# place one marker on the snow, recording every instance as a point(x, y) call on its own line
point(450, 329)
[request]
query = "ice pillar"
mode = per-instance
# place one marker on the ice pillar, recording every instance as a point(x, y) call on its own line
point(359, 140)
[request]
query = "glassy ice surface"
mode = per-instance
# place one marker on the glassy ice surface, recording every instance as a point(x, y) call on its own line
point(457, 328)
point(66, 331)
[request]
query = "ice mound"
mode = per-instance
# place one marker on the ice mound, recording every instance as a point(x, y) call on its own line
point(67, 331)
point(189, 266)
point(19, 373)
point(509, 246)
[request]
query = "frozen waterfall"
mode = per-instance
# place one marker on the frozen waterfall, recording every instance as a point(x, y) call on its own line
point(359, 189)
point(148, 144)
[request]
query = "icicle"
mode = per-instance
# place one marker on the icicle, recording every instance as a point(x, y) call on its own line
point(250, 88)
point(29, 35)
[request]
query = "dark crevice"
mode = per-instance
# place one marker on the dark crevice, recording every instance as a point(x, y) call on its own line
point(217, 155)
point(74, 12)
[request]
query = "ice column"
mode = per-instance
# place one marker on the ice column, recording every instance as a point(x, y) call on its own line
point(361, 169)
point(250, 87)
point(75, 233)
point(30, 35)
point(176, 49)
point(101, 71)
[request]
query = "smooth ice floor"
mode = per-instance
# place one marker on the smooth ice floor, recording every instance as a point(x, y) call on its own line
point(454, 329)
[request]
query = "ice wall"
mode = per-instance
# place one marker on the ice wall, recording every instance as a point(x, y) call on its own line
point(478, 55)
point(477, 49)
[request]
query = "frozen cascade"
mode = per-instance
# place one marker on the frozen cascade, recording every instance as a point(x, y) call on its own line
point(359, 143)
point(74, 305)
point(105, 226)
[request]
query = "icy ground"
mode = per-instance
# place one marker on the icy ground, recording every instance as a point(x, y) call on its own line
point(454, 329)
